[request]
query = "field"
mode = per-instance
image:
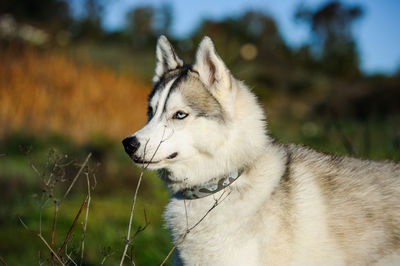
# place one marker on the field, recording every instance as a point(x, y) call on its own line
point(56, 108)
point(53, 106)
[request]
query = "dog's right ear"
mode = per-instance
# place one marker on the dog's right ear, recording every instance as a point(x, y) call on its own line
point(166, 58)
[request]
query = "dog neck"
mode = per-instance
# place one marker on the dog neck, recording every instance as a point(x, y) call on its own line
point(209, 188)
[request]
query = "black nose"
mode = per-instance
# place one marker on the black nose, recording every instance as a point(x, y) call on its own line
point(131, 145)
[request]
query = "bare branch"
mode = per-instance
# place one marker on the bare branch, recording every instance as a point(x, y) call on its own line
point(53, 234)
point(72, 228)
point(76, 177)
point(52, 251)
point(135, 195)
point(107, 253)
point(216, 203)
point(86, 218)
point(69, 256)
point(35, 169)
point(130, 220)
point(180, 240)
point(182, 237)
point(3, 261)
point(23, 224)
point(140, 228)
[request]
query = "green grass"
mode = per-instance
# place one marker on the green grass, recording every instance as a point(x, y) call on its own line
point(109, 210)
point(116, 183)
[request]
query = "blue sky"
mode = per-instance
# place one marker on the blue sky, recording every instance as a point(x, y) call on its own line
point(377, 33)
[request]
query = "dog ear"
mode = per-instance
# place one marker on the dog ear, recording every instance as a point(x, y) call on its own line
point(209, 64)
point(166, 58)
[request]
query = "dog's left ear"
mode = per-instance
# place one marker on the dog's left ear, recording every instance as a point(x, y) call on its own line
point(209, 65)
point(166, 58)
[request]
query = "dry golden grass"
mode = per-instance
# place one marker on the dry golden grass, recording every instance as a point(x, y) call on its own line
point(47, 91)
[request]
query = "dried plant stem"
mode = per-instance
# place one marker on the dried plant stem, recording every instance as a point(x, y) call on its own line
point(52, 251)
point(130, 220)
point(57, 203)
point(68, 256)
point(53, 234)
point(23, 224)
point(3, 261)
point(188, 230)
point(104, 259)
point(72, 227)
point(180, 240)
point(86, 219)
point(70, 259)
point(128, 240)
point(76, 177)
point(40, 220)
point(140, 229)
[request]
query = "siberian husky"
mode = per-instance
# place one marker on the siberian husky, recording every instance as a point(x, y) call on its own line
point(241, 198)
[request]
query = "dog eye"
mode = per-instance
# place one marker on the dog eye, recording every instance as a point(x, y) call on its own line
point(180, 115)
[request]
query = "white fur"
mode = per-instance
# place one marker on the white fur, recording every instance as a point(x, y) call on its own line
point(166, 58)
point(263, 220)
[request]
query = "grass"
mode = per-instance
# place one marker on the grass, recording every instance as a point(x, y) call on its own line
point(107, 225)
point(109, 211)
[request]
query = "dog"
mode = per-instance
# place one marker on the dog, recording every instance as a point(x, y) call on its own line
point(238, 197)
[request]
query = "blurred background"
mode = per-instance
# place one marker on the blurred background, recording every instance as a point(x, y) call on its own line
point(74, 80)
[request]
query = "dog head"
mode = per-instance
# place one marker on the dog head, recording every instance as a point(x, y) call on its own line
point(201, 121)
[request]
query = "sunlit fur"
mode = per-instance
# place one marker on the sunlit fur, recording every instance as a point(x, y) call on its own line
point(291, 206)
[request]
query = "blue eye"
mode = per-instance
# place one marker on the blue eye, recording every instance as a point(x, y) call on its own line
point(180, 115)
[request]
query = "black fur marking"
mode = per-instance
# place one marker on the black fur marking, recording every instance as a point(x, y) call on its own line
point(286, 174)
point(179, 79)
point(179, 75)
point(161, 84)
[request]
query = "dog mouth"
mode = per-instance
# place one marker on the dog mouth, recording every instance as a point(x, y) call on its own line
point(139, 160)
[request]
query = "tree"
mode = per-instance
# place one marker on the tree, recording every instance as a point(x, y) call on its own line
point(333, 39)
point(89, 26)
point(49, 14)
point(146, 23)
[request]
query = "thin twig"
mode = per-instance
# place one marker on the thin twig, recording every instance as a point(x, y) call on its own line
point(131, 256)
point(135, 195)
point(23, 224)
point(3, 261)
point(130, 220)
point(76, 177)
point(140, 228)
point(180, 240)
point(182, 237)
point(158, 146)
point(216, 203)
point(40, 220)
point(86, 218)
point(53, 234)
point(70, 259)
point(68, 256)
point(35, 169)
point(48, 246)
point(72, 228)
point(106, 257)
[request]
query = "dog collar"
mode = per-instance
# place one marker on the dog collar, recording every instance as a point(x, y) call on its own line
point(209, 188)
